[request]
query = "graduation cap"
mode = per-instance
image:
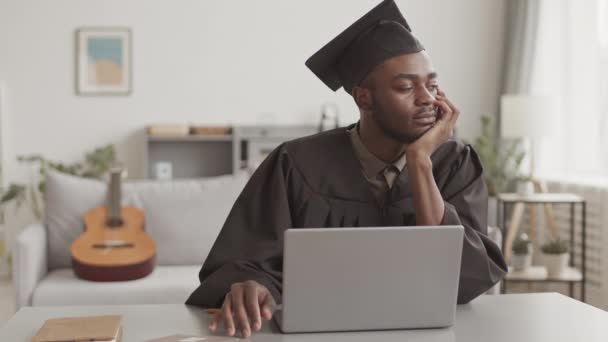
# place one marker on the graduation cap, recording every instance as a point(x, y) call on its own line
point(381, 34)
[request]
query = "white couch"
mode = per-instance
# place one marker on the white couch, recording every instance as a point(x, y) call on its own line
point(182, 216)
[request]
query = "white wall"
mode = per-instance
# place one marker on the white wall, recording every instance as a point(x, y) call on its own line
point(214, 62)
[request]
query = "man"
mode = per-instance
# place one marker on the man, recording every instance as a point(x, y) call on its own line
point(396, 167)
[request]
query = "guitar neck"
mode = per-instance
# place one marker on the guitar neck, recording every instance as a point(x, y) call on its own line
point(114, 218)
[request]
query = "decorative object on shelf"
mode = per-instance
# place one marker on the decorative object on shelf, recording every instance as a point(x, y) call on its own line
point(168, 130)
point(522, 253)
point(211, 130)
point(103, 61)
point(163, 170)
point(555, 256)
point(330, 117)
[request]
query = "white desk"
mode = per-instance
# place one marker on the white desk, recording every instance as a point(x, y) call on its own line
point(519, 317)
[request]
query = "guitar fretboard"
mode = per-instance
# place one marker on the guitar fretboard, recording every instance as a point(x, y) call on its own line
point(114, 218)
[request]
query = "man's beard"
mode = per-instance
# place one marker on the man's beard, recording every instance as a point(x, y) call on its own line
point(381, 117)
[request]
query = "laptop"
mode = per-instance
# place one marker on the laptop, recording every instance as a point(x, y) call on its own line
point(376, 278)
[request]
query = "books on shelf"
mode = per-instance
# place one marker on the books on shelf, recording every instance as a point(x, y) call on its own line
point(91, 328)
point(211, 130)
point(168, 130)
point(181, 130)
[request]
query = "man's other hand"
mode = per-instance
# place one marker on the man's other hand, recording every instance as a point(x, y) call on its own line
point(243, 309)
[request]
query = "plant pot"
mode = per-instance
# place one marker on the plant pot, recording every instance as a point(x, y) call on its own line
point(521, 262)
point(525, 188)
point(556, 264)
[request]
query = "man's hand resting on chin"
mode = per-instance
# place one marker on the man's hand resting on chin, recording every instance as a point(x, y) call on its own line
point(447, 114)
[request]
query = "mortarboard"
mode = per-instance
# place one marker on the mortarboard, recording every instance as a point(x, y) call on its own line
point(381, 34)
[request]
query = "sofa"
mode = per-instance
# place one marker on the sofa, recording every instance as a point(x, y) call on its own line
point(182, 216)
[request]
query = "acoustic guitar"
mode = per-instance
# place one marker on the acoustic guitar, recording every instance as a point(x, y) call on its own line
point(113, 246)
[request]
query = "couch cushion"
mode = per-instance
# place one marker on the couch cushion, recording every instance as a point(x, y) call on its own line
point(67, 198)
point(166, 285)
point(182, 216)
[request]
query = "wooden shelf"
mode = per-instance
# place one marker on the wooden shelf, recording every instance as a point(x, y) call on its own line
point(539, 273)
point(540, 198)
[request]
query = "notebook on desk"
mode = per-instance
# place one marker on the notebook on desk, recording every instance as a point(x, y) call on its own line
point(92, 328)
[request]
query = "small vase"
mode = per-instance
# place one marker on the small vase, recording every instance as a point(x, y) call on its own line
point(521, 262)
point(556, 263)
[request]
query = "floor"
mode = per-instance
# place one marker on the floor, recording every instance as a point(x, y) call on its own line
point(7, 300)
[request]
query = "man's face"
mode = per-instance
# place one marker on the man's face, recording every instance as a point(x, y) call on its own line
point(403, 89)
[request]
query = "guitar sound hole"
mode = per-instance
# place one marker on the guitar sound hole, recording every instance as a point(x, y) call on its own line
point(114, 244)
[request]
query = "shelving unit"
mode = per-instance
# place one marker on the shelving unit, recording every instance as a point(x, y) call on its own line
point(572, 275)
point(195, 156)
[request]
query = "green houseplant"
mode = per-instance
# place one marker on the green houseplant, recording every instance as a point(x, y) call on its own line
point(555, 256)
point(95, 164)
point(501, 163)
point(521, 259)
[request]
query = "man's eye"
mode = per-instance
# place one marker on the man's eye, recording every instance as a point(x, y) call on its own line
point(434, 86)
point(406, 88)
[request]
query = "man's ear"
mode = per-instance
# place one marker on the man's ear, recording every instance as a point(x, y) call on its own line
point(363, 97)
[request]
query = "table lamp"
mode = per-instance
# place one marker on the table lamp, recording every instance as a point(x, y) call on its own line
point(526, 117)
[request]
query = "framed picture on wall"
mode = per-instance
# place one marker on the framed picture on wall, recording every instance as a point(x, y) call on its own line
point(103, 61)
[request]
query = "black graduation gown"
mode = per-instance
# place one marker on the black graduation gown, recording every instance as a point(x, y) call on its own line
point(317, 181)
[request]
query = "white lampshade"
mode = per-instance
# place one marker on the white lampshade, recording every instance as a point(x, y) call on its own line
point(525, 116)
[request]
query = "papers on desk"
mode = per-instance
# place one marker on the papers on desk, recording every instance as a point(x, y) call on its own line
point(187, 338)
point(93, 328)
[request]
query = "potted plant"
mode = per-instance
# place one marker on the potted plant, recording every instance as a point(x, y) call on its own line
point(501, 162)
point(555, 256)
point(95, 165)
point(521, 259)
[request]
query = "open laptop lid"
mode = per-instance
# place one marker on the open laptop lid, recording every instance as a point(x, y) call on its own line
point(335, 279)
